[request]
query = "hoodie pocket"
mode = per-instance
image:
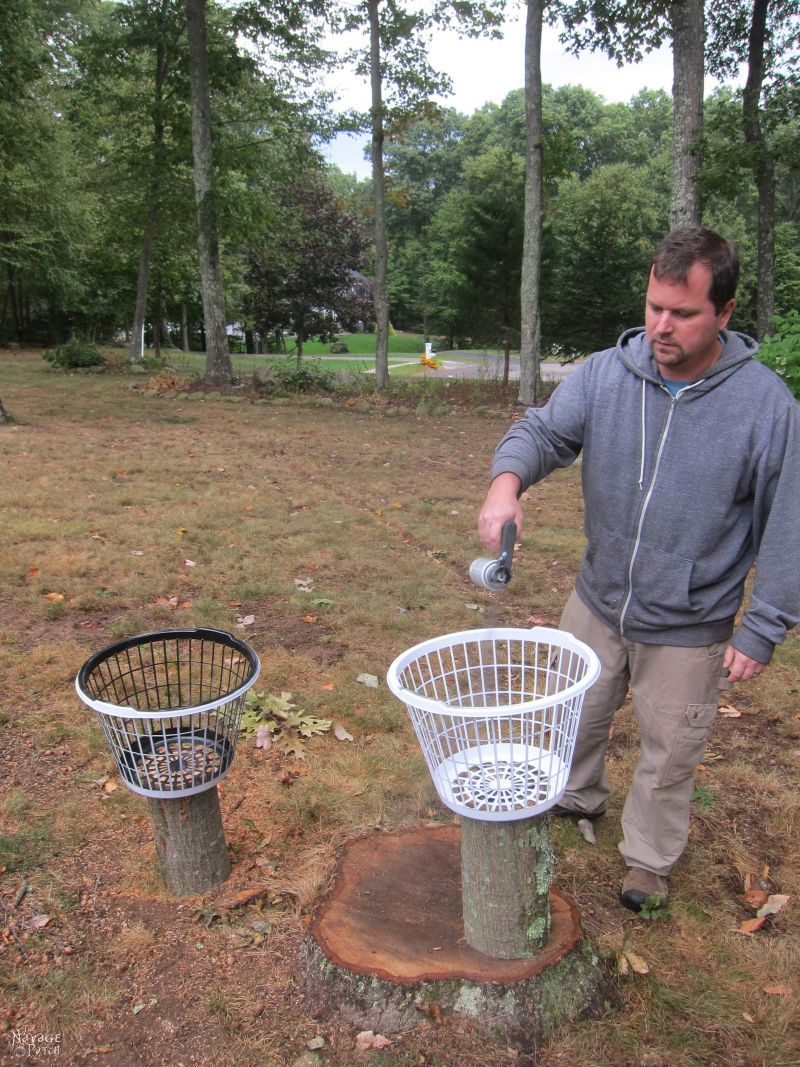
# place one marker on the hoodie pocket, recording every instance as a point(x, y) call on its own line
point(661, 584)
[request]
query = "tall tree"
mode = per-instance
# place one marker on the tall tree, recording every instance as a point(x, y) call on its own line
point(530, 294)
point(401, 83)
point(688, 66)
point(476, 252)
point(218, 368)
point(763, 35)
point(380, 294)
point(626, 31)
point(311, 285)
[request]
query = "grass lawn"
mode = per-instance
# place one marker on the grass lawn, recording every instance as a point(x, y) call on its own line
point(330, 536)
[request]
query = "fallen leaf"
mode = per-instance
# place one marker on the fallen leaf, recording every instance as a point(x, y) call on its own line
point(56, 598)
point(246, 620)
point(778, 990)
point(777, 902)
point(189, 563)
point(368, 680)
point(181, 531)
point(749, 926)
point(315, 1043)
point(748, 1018)
point(328, 687)
point(623, 967)
point(756, 898)
point(587, 831)
point(340, 733)
point(304, 585)
point(32, 572)
point(727, 711)
point(136, 552)
point(368, 1039)
point(636, 962)
point(38, 922)
point(110, 786)
point(243, 897)
point(310, 619)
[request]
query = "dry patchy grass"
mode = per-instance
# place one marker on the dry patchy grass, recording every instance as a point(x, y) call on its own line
point(125, 512)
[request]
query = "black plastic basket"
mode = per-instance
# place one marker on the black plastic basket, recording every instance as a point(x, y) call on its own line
point(170, 705)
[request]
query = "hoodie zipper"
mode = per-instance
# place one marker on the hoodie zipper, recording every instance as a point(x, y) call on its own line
point(659, 453)
point(645, 505)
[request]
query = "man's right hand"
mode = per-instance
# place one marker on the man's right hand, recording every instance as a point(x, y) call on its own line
point(500, 506)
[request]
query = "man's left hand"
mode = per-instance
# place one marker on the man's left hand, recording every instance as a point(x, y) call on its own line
point(740, 667)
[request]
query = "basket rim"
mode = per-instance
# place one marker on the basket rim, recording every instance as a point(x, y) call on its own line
point(553, 636)
point(202, 633)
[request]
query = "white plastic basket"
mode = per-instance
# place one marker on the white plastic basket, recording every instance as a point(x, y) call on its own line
point(170, 705)
point(496, 713)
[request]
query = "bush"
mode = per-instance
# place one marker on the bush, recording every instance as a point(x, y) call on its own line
point(303, 377)
point(781, 350)
point(74, 353)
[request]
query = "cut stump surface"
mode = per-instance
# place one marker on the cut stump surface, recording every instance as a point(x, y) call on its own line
point(391, 936)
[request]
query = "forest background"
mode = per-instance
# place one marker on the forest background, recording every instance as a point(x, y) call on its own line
point(98, 214)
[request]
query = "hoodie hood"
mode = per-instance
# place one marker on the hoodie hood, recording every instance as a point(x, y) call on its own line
point(636, 353)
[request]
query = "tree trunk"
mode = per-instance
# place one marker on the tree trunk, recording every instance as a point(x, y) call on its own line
point(688, 41)
point(190, 842)
point(380, 294)
point(5, 418)
point(506, 874)
point(530, 341)
point(136, 350)
point(506, 360)
point(158, 327)
point(184, 327)
point(218, 368)
point(763, 167)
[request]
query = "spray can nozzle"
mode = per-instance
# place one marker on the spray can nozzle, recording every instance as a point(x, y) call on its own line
point(496, 573)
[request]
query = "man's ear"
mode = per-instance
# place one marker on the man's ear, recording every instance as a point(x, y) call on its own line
point(725, 315)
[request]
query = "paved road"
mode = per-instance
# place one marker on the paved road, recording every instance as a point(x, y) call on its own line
point(479, 365)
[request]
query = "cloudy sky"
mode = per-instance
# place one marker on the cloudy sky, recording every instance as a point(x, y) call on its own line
point(486, 70)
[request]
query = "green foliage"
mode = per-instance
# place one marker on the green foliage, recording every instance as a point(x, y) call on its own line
point(74, 354)
point(303, 376)
point(703, 798)
point(781, 350)
point(653, 908)
point(275, 720)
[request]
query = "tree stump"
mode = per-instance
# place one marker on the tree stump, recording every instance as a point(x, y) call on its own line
point(388, 949)
point(190, 842)
point(506, 874)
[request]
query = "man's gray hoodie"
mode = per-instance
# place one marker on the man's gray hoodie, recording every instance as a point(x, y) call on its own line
point(681, 494)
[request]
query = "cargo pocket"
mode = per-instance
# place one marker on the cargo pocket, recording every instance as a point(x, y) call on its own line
point(689, 744)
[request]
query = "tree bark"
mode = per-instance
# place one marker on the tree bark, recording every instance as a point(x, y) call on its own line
point(380, 293)
point(190, 842)
point(184, 327)
point(688, 41)
point(136, 350)
point(218, 368)
point(530, 341)
point(763, 167)
point(506, 874)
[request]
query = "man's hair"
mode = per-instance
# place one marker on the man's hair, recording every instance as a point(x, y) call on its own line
point(682, 248)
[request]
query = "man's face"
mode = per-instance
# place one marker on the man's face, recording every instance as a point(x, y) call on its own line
point(682, 324)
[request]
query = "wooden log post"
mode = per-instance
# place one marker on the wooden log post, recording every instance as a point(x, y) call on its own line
point(190, 842)
point(506, 874)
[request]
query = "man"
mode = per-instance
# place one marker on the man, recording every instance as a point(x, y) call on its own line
point(691, 472)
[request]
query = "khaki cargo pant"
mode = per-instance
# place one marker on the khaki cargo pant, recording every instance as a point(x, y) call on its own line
point(675, 697)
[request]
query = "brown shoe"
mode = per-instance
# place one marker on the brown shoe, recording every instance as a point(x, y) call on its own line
point(639, 886)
